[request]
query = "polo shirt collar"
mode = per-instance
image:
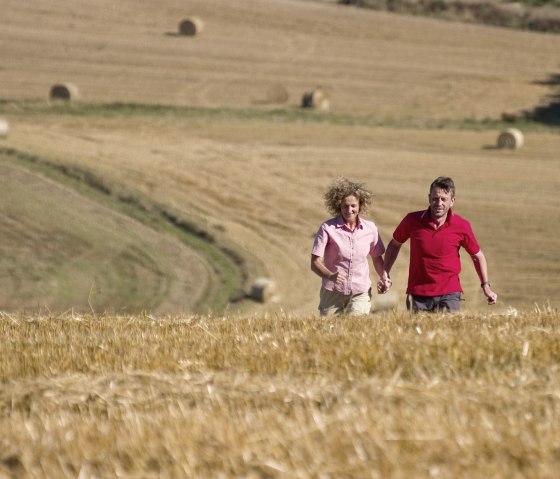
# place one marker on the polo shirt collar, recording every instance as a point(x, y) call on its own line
point(428, 219)
point(340, 223)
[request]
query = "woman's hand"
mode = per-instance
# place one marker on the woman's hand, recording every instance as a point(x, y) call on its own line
point(384, 284)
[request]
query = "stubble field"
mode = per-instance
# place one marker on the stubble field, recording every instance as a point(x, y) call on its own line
point(281, 396)
point(135, 220)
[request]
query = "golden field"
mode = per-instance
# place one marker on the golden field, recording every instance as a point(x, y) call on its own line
point(135, 219)
point(277, 396)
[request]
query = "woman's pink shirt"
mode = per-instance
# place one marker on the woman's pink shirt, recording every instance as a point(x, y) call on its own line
point(347, 251)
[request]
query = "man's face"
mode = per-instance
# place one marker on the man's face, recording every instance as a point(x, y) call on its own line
point(440, 202)
point(349, 208)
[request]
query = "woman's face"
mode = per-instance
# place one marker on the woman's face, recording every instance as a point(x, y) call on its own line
point(349, 208)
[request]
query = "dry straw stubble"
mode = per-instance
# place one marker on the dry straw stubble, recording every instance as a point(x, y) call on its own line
point(378, 396)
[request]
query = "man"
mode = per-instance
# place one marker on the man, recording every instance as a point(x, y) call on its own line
point(341, 249)
point(436, 235)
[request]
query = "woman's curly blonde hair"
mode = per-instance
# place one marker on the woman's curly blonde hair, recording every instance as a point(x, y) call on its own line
point(342, 187)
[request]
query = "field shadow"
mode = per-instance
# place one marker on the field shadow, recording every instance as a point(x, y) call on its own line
point(548, 114)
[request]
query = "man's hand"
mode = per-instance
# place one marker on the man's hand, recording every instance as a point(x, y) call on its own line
point(492, 297)
point(384, 284)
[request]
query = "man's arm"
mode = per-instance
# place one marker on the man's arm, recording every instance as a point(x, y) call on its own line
point(391, 254)
point(481, 267)
point(384, 283)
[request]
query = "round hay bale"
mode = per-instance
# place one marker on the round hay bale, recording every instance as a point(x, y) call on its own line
point(316, 98)
point(4, 128)
point(64, 91)
point(386, 302)
point(191, 26)
point(511, 138)
point(276, 94)
point(263, 289)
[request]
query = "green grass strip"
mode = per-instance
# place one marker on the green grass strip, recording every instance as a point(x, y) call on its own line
point(287, 114)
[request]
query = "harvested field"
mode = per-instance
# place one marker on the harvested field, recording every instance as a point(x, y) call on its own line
point(136, 222)
point(229, 163)
point(280, 396)
point(181, 126)
point(372, 62)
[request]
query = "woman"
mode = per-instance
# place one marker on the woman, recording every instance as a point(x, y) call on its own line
point(341, 248)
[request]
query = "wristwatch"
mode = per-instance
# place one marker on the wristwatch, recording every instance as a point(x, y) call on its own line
point(483, 283)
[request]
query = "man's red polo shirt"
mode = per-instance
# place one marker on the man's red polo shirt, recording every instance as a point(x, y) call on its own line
point(434, 253)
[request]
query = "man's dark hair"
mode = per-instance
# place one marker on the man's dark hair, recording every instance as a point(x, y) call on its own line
point(444, 183)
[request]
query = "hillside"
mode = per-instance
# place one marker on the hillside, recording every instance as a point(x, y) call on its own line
point(61, 244)
point(185, 123)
